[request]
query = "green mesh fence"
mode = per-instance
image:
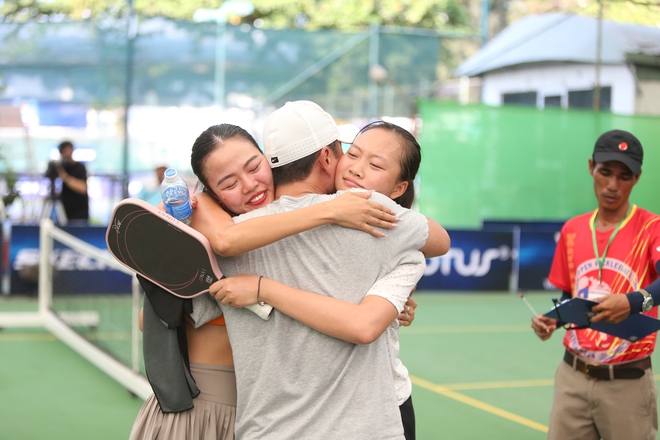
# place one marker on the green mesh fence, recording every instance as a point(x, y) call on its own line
point(174, 63)
point(518, 163)
point(85, 65)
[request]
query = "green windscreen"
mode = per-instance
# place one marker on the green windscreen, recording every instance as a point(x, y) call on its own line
point(519, 163)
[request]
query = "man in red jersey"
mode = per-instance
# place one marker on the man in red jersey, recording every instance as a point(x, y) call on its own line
point(604, 387)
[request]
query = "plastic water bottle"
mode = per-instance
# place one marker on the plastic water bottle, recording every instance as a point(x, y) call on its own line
point(176, 196)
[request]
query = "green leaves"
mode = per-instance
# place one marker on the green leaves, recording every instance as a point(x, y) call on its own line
point(348, 15)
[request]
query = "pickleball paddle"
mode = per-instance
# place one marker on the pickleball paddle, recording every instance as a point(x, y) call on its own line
point(164, 250)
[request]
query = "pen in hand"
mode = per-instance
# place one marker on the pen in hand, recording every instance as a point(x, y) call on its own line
point(529, 306)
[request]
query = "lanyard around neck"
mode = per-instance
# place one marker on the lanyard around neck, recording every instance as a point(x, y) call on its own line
point(600, 261)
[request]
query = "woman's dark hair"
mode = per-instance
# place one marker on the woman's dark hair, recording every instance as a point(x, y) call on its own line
point(410, 158)
point(210, 140)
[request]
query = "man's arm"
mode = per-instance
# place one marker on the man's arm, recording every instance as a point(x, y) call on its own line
point(616, 308)
point(636, 298)
point(77, 184)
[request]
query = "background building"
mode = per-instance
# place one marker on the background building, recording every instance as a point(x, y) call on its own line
point(552, 60)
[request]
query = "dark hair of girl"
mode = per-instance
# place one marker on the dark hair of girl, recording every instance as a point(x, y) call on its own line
point(410, 159)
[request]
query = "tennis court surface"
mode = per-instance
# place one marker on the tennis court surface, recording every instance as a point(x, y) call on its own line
point(478, 370)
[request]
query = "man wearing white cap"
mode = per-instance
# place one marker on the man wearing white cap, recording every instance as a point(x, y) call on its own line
point(292, 381)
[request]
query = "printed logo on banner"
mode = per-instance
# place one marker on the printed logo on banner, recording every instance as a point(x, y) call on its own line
point(478, 265)
point(62, 259)
point(477, 260)
point(75, 272)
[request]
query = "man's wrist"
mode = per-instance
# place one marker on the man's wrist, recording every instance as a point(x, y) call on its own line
point(636, 299)
point(647, 303)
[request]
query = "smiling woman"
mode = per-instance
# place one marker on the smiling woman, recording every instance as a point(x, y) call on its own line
point(240, 185)
point(385, 158)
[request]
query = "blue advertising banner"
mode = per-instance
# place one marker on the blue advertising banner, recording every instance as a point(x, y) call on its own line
point(62, 115)
point(535, 258)
point(488, 260)
point(535, 243)
point(477, 260)
point(524, 226)
point(73, 272)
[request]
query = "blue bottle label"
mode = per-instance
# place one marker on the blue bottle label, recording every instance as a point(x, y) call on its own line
point(177, 202)
point(179, 212)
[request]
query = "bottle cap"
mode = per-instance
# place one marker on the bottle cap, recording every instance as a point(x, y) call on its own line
point(170, 174)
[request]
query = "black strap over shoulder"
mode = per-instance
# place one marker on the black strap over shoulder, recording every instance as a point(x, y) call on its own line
point(165, 350)
point(169, 308)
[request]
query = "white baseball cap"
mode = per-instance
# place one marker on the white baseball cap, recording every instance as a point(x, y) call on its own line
point(301, 128)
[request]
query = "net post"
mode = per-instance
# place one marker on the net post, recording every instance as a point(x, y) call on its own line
point(135, 383)
point(60, 325)
point(514, 281)
point(45, 271)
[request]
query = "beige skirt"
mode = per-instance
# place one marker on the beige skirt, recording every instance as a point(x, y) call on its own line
point(212, 417)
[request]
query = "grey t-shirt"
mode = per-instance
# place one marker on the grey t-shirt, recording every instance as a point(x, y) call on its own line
point(294, 382)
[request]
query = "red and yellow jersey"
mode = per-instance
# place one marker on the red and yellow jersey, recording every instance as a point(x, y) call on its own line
point(630, 265)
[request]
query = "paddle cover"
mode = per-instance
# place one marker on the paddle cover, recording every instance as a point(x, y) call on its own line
point(162, 249)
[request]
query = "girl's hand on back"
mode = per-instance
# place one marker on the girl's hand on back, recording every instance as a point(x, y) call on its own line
point(352, 209)
point(408, 315)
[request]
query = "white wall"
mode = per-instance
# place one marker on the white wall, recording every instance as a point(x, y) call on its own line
point(558, 79)
point(648, 98)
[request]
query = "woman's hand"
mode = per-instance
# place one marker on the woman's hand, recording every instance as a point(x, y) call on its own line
point(352, 209)
point(408, 315)
point(238, 291)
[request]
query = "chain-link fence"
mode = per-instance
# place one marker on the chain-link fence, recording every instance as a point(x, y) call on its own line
point(75, 79)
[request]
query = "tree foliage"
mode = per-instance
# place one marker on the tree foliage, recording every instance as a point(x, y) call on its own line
point(281, 14)
point(348, 15)
point(645, 12)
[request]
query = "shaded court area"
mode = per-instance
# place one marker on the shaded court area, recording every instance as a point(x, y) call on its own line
point(477, 368)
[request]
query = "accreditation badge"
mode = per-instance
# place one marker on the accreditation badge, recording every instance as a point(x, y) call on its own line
point(597, 291)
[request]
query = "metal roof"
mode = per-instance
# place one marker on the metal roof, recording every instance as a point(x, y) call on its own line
point(560, 37)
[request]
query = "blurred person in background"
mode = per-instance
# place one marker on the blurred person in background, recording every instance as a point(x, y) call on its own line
point(604, 387)
point(73, 175)
point(150, 192)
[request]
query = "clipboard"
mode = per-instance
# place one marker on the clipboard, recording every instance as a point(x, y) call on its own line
point(577, 311)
